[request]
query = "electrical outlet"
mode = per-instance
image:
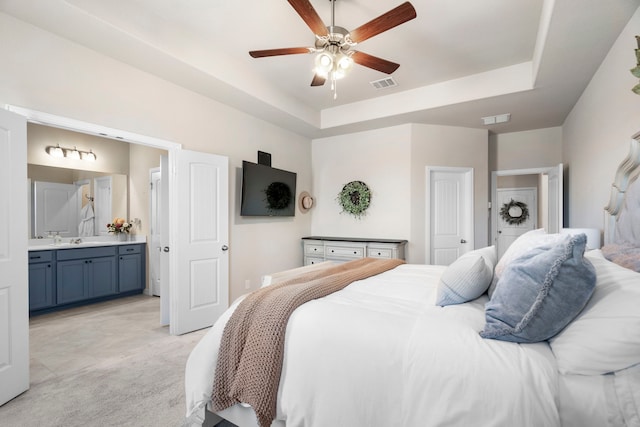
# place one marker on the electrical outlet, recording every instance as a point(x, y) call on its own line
point(247, 284)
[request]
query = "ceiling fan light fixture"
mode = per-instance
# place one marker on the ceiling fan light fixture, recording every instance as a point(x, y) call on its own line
point(324, 63)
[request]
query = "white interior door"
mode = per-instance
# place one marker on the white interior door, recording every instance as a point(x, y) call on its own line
point(509, 231)
point(450, 213)
point(14, 283)
point(165, 227)
point(56, 209)
point(155, 245)
point(199, 285)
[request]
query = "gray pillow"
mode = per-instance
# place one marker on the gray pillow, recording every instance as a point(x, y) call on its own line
point(467, 278)
point(540, 292)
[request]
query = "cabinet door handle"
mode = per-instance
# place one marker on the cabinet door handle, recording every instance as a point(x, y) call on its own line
point(35, 257)
point(130, 250)
point(49, 265)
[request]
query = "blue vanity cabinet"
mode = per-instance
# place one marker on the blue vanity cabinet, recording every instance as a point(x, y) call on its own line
point(41, 280)
point(86, 273)
point(131, 268)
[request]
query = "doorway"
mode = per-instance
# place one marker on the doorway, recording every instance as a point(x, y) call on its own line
point(155, 244)
point(518, 214)
point(549, 204)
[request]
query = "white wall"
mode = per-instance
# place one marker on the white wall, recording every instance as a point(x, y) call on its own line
point(598, 130)
point(392, 161)
point(379, 158)
point(536, 148)
point(453, 147)
point(44, 72)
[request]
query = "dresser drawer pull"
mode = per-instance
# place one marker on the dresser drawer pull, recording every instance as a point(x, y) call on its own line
point(35, 257)
point(130, 250)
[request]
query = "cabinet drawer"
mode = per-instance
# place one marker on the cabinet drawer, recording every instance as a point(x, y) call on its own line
point(379, 252)
point(129, 249)
point(311, 260)
point(101, 251)
point(40, 256)
point(314, 250)
point(345, 251)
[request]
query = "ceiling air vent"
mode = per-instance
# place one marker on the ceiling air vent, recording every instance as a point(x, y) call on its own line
point(384, 83)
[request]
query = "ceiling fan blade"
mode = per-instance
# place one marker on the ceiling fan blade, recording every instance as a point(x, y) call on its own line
point(318, 80)
point(309, 16)
point(401, 14)
point(374, 62)
point(276, 52)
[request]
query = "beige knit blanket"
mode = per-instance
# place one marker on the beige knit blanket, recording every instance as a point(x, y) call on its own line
point(252, 346)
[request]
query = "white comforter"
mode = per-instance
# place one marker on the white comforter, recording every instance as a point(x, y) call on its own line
point(380, 353)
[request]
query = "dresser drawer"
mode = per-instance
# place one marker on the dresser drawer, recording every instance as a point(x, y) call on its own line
point(345, 251)
point(40, 256)
point(380, 253)
point(311, 250)
point(311, 260)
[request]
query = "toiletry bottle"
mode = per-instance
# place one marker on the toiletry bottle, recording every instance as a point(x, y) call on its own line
point(57, 239)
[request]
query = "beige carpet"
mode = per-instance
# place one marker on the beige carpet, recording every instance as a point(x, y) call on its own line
point(107, 364)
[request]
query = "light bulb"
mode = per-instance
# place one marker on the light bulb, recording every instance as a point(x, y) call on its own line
point(73, 154)
point(90, 156)
point(324, 63)
point(55, 151)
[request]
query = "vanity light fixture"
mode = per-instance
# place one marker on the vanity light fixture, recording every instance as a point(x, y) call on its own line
point(71, 153)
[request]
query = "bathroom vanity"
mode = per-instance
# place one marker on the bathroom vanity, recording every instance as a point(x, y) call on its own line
point(68, 275)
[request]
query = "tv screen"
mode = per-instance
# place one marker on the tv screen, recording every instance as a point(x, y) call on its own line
point(267, 191)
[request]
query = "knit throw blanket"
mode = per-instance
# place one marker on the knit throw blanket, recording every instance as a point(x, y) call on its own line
point(252, 346)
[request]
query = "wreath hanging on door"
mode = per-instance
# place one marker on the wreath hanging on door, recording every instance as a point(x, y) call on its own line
point(514, 213)
point(355, 198)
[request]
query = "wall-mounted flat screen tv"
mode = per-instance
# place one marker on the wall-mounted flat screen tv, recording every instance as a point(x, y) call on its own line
point(267, 191)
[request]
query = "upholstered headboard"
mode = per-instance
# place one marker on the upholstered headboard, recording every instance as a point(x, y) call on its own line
point(622, 214)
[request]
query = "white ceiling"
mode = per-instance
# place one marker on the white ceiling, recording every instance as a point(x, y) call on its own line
point(460, 59)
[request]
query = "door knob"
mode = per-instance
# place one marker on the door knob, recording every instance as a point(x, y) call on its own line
point(166, 249)
point(225, 248)
point(463, 241)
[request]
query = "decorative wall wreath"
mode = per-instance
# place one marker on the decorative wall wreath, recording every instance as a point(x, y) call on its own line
point(355, 198)
point(278, 195)
point(514, 213)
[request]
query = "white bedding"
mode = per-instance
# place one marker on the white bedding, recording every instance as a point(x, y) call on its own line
point(381, 353)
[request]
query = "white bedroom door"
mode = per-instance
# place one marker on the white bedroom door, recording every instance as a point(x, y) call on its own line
point(14, 283)
point(199, 286)
point(450, 213)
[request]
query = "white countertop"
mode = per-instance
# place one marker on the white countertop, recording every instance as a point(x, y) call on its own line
point(86, 242)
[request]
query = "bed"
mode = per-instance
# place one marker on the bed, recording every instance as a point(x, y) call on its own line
point(423, 345)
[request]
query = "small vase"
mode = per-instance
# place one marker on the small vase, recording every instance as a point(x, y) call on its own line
point(122, 237)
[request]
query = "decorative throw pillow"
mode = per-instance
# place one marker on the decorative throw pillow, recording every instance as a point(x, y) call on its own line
point(525, 242)
point(540, 292)
point(467, 278)
point(605, 337)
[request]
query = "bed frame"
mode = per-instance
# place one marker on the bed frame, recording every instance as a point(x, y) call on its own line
point(627, 173)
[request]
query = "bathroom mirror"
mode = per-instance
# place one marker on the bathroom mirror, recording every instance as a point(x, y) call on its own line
point(74, 203)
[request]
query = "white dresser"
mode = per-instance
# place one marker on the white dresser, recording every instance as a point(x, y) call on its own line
point(317, 249)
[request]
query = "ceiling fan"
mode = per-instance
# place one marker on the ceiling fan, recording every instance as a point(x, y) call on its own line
point(335, 45)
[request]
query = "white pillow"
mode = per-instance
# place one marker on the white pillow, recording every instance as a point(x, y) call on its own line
point(467, 278)
point(524, 243)
point(605, 337)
